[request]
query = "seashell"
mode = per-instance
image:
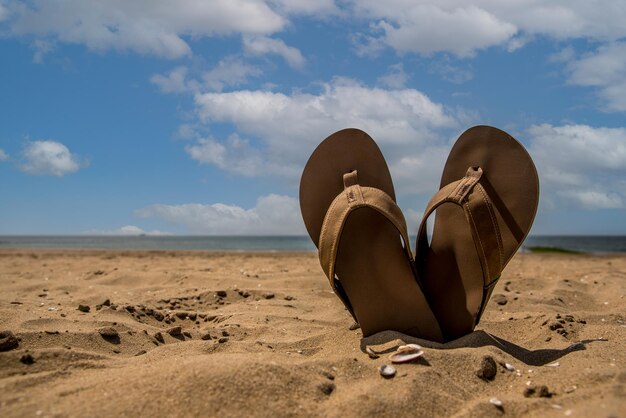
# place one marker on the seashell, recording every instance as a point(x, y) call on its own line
point(556, 364)
point(496, 402)
point(406, 353)
point(371, 353)
point(509, 367)
point(387, 371)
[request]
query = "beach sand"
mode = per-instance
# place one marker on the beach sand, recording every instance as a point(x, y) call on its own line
point(261, 334)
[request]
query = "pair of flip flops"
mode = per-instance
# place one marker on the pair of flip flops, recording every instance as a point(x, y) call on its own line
point(484, 209)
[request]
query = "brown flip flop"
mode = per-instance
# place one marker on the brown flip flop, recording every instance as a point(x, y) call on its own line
point(485, 209)
point(348, 205)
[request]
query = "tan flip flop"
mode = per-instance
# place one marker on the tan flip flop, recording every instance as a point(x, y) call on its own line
point(485, 208)
point(349, 209)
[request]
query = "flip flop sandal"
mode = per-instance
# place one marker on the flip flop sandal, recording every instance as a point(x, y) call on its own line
point(485, 209)
point(349, 209)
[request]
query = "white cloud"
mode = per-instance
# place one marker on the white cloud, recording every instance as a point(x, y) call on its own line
point(288, 127)
point(272, 215)
point(156, 27)
point(49, 158)
point(455, 26)
point(127, 230)
point(581, 164)
point(228, 72)
point(396, 78)
point(605, 69)
point(262, 45)
point(3, 155)
point(42, 48)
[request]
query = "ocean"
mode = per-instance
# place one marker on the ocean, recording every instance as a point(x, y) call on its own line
point(587, 244)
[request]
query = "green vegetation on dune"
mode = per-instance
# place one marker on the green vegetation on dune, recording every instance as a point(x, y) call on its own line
point(551, 250)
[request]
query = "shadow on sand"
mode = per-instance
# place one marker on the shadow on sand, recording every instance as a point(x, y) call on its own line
point(388, 341)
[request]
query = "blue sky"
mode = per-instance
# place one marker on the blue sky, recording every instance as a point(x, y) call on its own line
point(197, 116)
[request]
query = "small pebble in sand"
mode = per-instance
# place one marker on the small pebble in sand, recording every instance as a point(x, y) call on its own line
point(206, 336)
point(509, 367)
point(223, 340)
point(181, 315)
point(27, 359)
point(289, 297)
point(140, 353)
point(7, 340)
point(354, 326)
point(157, 315)
point(387, 371)
point(327, 388)
point(487, 369)
point(537, 391)
point(500, 299)
point(187, 334)
point(175, 331)
point(328, 375)
point(84, 308)
point(159, 337)
point(225, 333)
point(221, 293)
point(108, 332)
point(268, 295)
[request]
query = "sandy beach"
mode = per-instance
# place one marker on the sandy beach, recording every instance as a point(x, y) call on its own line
point(164, 333)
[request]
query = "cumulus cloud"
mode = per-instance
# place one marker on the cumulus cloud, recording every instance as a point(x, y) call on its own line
point(287, 127)
point(228, 72)
point(272, 215)
point(606, 70)
point(127, 230)
point(455, 26)
point(396, 78)
point(156, 27)
point(49, 158)
point(3, 155)
point(581, 164)
point(263, 45)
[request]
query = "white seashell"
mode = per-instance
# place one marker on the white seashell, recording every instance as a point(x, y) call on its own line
point(556, 364)
point(387, 371)
point(495, 401)
point(509, 367)
point(371, 353)
point(406, 353)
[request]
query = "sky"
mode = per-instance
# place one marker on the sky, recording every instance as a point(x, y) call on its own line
point(197, 116)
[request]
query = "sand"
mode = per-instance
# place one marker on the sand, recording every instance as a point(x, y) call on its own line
point(262, 335)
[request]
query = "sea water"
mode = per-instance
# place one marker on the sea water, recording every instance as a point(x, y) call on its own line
point(589, 244)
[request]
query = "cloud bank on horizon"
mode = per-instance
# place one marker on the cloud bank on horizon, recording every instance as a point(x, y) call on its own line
point(243, 90)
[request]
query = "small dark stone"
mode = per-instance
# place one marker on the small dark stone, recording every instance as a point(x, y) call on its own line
point(130, 308)
point(289, 297)
point(244, 293)
point(27, 359)
point(500, 299)
point(107, 302)
point(206, 336)
point(223, 340)
point(108, 332)
point(268, 295)
point(354, 326)
point(84, 308)
point(488, 368)
point(140, 353)
point(221, 293)
point(49, 332)
point(537, 391)
point(158, 315)
point(328, 375)
point(181, 315)
point(225, 333)
point(159, 337)
point(175, 331)
point(192, 316)
point(555, 325)
point(326, 388)
point(187, 334)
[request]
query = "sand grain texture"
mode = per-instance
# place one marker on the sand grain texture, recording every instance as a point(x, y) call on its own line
point(560, 322)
